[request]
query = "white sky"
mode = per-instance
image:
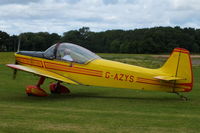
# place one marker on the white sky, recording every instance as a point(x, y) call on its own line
point(17, 16)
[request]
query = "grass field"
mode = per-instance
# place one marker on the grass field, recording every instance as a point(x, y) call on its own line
point(96, 109)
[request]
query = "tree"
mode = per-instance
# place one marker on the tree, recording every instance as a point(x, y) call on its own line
point(124, 47)
point(4, 38)
point(115, 46)
point(146, 40)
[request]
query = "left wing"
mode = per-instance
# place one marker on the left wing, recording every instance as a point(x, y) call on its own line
point(43, 72)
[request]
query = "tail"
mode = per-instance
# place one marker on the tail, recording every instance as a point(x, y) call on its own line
point(179, 66)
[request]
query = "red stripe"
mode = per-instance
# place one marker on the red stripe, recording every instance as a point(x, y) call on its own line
point(185, 52)
point(70, 69)
point(30, 59)
point(87, 69)
point(155, 84)
point(191, 72)
point(76, 72)
point(30, 64)
point(185, 84)
point(181, 49)
point(187, 89)
point(90, 71)
point(147, 79)
point(66, 71)
point(74, 67)
point(147, 83)
point(40, 62)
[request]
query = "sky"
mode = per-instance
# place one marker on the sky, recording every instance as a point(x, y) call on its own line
point(59, 16)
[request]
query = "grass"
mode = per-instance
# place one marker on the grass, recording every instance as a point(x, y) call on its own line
point(136, 59)
point(95, 109)
point(6, 57)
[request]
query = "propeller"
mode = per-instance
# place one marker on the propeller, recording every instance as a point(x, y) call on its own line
point(18, 49)
point(14, 73)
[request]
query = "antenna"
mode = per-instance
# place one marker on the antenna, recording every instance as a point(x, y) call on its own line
point(19, 43)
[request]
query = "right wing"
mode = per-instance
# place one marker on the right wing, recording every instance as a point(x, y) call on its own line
point(43, 72)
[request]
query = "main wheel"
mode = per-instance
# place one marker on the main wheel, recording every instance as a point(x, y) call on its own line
point(57, 88)
point(33, 90)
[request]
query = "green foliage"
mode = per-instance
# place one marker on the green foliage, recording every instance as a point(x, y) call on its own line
point(146, 40)
point(115, 46)
point(38, 41)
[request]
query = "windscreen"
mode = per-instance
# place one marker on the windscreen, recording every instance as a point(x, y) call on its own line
point(71, 52)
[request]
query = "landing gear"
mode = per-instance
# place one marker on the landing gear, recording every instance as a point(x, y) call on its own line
point(57, 88)
point(184, 98)
point(35, 90)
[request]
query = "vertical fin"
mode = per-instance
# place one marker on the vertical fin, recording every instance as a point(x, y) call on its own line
point(179, 65)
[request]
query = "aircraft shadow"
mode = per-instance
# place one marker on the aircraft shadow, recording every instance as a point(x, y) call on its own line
point(93, 95)
point(86, 95)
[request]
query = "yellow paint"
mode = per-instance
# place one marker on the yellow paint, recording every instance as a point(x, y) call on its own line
point(174, 76)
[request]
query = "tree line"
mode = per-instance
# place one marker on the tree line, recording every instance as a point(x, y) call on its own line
point(147, 40)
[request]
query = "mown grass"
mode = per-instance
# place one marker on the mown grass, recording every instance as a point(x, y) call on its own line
point(95, 109)
point(144, 60)
point(6, 57)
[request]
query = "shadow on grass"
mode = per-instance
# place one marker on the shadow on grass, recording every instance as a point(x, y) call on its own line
point(134, 98)
point(90, 95)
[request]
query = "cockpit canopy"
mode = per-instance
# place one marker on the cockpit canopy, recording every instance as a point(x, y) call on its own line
point(70, 52)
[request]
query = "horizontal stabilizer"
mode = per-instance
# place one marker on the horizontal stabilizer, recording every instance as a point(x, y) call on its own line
point(168, 78)
point(42, 72)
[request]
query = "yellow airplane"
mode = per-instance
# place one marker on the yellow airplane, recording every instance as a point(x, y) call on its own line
point(73, 64)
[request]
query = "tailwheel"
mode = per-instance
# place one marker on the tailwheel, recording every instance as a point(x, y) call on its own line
point(184, 98)
point(35, 90)
point(57, 88)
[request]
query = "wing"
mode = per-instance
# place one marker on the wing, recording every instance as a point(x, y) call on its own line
point(43, 72)
point(168, 78)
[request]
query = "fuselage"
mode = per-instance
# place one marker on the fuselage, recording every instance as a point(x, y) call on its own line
point(101, 72)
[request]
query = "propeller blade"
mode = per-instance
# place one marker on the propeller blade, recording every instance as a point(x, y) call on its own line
point(14, 73)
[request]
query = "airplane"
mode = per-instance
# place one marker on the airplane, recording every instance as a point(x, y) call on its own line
point(73, 64)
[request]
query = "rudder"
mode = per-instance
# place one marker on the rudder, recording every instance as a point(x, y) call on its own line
point(179, 65)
